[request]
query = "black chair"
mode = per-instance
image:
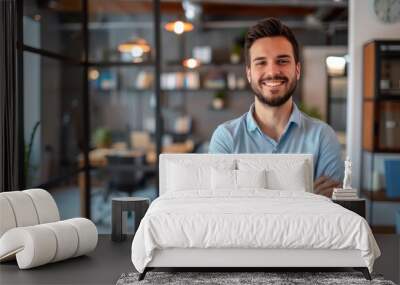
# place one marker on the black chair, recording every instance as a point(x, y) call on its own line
point(125, 173)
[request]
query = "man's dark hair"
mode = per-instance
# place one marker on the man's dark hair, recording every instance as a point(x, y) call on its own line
point(270, 27)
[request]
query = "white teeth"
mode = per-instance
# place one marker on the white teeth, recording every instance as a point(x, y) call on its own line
point(273, 83)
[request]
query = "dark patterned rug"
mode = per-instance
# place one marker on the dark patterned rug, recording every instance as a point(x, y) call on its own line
point(228, 278)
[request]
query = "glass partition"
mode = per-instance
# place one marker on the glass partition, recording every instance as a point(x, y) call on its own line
point(53, 118)
point(122, 104)
point(54, 26)
point(53, 87)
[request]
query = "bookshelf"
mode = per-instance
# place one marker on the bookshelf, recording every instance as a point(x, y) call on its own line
point(381, 128)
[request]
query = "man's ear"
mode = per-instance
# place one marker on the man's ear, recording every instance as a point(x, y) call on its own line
point(298, 70)
point(248, 74)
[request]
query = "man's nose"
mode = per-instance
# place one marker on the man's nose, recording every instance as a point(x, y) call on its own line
point(272, 70)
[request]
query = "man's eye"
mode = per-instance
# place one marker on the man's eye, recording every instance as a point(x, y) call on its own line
point(260, 62)
point(282, 61)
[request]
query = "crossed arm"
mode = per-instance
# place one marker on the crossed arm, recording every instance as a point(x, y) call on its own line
point(329, 165)
point(324, 186)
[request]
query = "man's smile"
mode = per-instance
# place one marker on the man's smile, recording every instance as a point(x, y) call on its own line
point(273, 83)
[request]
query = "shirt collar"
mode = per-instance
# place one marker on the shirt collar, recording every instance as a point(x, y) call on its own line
point(295, 117)
point(252, 125)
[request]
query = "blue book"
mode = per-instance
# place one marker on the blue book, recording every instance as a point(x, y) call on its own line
point(392, 175)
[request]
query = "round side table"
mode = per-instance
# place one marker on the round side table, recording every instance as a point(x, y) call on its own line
point(120, 207)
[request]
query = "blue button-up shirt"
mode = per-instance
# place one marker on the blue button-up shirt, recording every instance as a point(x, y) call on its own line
point(302, 134)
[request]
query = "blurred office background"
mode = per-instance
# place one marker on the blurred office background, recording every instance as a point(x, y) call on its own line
point(95, 119)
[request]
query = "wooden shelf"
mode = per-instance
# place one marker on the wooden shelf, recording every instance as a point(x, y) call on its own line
point(390, 55)
point(207, 65)
point(119, 63)
point(383, 97)
point(127, 90)
point(382, 150)
point(134, 90)
point(379, 195)
point(206, 90)
point(389, 94)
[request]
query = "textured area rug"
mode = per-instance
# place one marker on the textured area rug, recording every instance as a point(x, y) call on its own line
point(228, 278)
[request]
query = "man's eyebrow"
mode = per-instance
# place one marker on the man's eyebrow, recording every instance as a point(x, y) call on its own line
point(283, 56)
point(259, 58)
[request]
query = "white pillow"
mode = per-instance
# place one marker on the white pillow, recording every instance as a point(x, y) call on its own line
point(251, 179)
point(226, 179)
point(183, 178)
point(186, 175)
point(282, 174)
point(293, 179)
point(223, 179)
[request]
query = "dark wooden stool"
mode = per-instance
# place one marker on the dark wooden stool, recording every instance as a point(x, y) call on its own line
point(120, 207)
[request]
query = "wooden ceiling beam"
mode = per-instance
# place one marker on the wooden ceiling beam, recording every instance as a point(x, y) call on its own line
point(209, 9)
point(336, 14)
point(255, 10)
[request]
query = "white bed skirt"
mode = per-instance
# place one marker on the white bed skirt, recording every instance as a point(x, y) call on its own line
point(193, 257)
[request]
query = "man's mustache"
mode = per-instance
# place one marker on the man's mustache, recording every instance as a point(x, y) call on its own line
point(277, 77)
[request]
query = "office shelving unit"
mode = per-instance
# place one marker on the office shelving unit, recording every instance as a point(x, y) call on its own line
point(381, 127)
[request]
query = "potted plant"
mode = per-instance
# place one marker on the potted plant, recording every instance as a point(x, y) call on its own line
point(236, 53)
point(102, 138)
point(218, 102)
point(310, 111)
point(27, 155)
point(237, 48)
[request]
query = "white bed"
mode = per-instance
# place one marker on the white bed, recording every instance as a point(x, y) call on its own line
point(203, 220)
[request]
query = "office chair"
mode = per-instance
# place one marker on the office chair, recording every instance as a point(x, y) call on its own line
point(124, 173)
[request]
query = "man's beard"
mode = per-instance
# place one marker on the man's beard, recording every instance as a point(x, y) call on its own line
point(275, 101)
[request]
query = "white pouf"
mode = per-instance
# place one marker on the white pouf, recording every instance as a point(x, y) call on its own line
point(31, 233)
point(7, 219)
point(37, 245)
point(46, 207)
point(23, 209)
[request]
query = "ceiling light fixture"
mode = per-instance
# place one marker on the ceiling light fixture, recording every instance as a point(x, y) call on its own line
point(191, 63)
point(136, 47)
point(179, 27)
point(94, 74)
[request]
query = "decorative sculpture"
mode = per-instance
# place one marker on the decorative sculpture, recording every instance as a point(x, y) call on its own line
point(346, 192)
point(347, 174)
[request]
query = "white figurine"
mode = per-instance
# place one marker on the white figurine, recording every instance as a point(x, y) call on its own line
point(347, 174)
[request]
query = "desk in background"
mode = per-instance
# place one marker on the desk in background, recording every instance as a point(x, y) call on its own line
point(98, 159)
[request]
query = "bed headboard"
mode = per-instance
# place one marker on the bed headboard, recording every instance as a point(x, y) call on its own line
point(207, 158)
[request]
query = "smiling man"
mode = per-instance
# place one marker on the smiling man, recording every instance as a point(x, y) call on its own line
point(274, 124)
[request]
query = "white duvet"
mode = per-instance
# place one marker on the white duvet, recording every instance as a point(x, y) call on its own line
point(253, 218)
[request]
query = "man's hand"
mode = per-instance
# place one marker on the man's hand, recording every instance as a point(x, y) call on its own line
point(324, 186)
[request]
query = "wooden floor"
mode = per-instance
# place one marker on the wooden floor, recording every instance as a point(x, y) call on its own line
point(111, 259)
